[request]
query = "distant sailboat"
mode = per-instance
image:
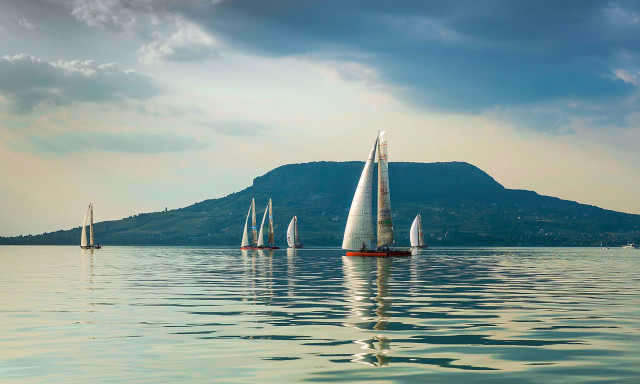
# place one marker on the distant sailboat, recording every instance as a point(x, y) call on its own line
point(358, 234)
point(416, 236)
point(83, 236)
point(258, 239)
point(292, 234)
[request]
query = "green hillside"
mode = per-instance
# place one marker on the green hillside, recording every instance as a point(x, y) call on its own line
point(460, 205)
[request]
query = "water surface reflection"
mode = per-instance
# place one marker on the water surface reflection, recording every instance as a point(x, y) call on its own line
point(195, 314)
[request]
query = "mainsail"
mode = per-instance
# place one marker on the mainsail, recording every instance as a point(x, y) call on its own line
point(260, 241)
point(270, 241)
point(91, 225)
point(245, 237)
point(416, 236)
point(385, 224)
point(253, 222)
point(359, 229)
point(292, 233)
point(83, 237)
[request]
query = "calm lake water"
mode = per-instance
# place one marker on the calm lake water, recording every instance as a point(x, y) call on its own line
point(154, 315)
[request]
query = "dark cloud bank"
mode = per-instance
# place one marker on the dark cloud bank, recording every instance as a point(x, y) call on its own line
point(462, 56)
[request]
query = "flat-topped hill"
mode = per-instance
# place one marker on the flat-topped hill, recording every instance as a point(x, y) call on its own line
point(460, 205)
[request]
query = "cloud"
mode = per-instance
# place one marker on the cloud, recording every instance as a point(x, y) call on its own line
point(129, 142)
point(24, 23)
point(453, 57)
point(352, 71)
point(618, 14)
point(120, 14)
point(627, 77)
point(239, 128)
point(173, 38)
point(187, 43)
point(27, 81)
point(547, 119)
point(19, 22)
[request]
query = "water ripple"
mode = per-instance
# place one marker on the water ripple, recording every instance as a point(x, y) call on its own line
point(153, 314)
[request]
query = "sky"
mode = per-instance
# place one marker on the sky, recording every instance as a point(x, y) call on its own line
point(141, 105)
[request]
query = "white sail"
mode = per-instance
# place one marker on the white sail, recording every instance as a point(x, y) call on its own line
point(359, 228)
point(254, 230)
point(270, 241)
point(83, 236)
point(91, 225)
point(291, 233)
point(245, 236)
point(415, 235)
point(260, 241)
point(385, 223)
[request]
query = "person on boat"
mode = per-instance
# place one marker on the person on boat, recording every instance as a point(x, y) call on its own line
point(364, 246)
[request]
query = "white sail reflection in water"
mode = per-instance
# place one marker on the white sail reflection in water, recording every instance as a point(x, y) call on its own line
point(359, 284)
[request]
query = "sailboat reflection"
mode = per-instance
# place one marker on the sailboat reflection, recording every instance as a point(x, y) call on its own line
point(86, 268)
point(260, 275)
point(369, 312)
point(86, 277)
point(292, 254)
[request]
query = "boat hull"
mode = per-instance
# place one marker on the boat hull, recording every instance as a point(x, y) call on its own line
point(259, 247)
point(379, 253)
point(91, 247)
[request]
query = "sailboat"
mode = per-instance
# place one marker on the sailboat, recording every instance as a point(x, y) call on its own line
point(416, 236)
point(258, 239)
point(358, 234)
point(292, 234)
point(83, 236)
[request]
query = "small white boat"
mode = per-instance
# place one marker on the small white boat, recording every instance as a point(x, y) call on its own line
point(629, 246)
point(292, 234)
point(83, 237)
point(415, 235)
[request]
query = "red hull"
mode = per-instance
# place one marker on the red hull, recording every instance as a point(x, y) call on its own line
point(379, 253)
point(259, 247)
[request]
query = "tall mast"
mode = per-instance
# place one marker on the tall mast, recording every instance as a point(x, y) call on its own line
point(359, 228)
point(385, 223)
point(253, 221)
point(91, 224)
point(270, 241)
